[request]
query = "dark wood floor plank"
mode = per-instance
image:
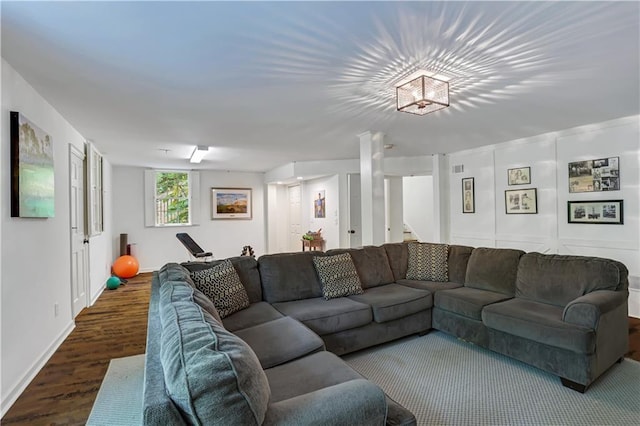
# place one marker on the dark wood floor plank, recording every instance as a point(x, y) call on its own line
point(115, 326)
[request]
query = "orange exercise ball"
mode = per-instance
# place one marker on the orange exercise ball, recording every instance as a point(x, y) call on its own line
point(125, 267)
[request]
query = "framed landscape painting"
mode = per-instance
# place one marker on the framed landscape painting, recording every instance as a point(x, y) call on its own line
point(231, 203)
point(32, 173)
point(521, 201)
point(609, 212)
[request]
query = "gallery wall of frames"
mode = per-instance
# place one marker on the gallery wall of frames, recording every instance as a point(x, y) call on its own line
point(571, 192)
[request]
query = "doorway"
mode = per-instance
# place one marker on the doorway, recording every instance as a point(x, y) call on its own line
point(355, 210)
point(295, 227)
point(79, 239)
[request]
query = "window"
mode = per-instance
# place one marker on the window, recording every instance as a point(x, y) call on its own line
point(171, 198)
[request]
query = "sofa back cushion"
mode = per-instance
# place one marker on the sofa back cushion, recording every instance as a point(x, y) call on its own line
point(247, 269)
point(371, 263)
point(493, 269)
point(428, 262)
point(211, 375)
point(289, 276)
point(557, 279)
point(398, 254)
point(458, 260)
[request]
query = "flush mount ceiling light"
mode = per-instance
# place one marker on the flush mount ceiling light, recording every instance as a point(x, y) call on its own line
point(422, 95)
point(198, 154)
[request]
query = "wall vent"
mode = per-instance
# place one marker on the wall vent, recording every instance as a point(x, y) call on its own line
point(458, 168)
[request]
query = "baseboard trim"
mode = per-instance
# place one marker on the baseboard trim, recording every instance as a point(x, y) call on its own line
point(17, 389)
point(634, 303)
point(94, 299)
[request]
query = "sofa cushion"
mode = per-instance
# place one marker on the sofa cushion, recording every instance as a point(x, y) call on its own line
point(327, 316)
point(493, 269)
point(457, 262)
point(222, 285)
point(338, 275)
point(393, 301)
point(432, 286)
point(467, 302)
point(371, 263)
point(557, 279)
point(289, 276)
point(313, 372)
point(398, 255)
point(281, 340)
point(173, 272)
point(256, 313)
point(247, 269)
point(539, 322)
point(210, 374)
point(428, 262)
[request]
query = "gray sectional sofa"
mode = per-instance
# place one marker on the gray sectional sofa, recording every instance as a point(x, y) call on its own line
point(275, 362)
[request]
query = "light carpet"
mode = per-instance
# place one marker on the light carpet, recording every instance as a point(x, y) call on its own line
point(444, 381)
point(119, 400)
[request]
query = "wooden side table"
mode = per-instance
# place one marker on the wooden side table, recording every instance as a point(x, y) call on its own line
point(315, 244)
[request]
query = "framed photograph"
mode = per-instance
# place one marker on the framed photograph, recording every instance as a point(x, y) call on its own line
point(468, 196)
point(519, 176)
point(607, 212)
point(32, 174)
point(521, 201)
point(598, 175)
point(319, 207)
point(231, 203)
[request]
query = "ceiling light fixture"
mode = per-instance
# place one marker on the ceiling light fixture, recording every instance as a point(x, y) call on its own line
point(199, 153)
point(422, 95)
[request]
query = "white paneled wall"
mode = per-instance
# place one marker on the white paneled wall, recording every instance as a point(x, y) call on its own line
point(548, 231)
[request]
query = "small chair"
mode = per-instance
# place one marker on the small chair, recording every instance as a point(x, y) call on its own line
point(194, 249)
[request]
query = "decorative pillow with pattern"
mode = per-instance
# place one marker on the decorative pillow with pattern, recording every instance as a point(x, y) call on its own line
point(338, 275)
point(428, 262)
point(222, 285)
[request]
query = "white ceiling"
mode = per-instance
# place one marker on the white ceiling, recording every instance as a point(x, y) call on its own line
point(268, 83)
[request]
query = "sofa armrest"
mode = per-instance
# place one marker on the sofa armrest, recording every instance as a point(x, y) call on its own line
point(356, 402)
point(586, 310)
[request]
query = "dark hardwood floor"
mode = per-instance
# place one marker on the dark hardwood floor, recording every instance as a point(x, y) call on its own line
point(115, 326)
point(65, 389)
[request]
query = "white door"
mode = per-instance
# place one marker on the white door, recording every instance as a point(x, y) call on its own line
point(355, 210)
point(295, 228)
point(79, 241)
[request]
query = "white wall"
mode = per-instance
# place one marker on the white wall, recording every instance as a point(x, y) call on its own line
point(156, 246)
point(548, 231)
point(418, 206)
point(36, 253)
point(330, 224)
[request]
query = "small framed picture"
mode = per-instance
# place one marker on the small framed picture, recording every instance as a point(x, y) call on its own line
point(519, 176)
point(521, 201)
point(231, 203)
point(468, 196)
point(602, 174)
point(607, 212)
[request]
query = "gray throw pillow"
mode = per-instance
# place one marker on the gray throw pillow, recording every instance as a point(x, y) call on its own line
point(222, 285)
point(428, 262)
point(338, 275)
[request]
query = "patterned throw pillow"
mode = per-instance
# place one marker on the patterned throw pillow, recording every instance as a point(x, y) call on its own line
point(428, 262)
point(222, 285)
point(338, 275)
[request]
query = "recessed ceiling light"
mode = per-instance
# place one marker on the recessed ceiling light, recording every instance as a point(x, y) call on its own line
point(279, 182)
point(198, 153)
point(388, 145)
point(299, 178)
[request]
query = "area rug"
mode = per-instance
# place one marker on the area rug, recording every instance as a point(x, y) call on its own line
point(119, 400)
point(444, 381)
